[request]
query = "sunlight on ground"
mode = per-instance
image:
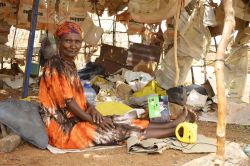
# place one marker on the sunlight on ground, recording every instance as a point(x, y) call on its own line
point(94, 156)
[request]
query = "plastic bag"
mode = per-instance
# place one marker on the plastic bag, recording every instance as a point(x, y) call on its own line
point(196, 99)
point(137, 80)
point(24, 119)
point(91, 70)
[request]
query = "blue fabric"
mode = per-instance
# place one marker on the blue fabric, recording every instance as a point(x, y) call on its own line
point(24, 119)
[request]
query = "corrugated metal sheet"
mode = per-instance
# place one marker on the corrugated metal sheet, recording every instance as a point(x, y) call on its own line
point(112, 58)
point(138, 52)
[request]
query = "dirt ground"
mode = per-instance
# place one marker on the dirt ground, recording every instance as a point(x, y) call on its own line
point(27, 154)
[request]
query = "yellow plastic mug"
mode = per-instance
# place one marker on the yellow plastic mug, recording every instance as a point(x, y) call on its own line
point(189, 132)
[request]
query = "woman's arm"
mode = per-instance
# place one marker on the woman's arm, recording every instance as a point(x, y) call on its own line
point(76, 110)
point(105, 123)
point(96, 115)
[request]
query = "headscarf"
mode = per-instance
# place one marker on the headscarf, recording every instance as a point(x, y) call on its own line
point(66, 28)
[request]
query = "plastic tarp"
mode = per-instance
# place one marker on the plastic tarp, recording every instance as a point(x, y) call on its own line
point(193, 42)
point(148, 11)
point(236, 73)
point(242, 10)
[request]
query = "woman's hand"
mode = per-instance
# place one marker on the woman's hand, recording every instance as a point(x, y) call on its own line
point(107, 124)
point(97, 117)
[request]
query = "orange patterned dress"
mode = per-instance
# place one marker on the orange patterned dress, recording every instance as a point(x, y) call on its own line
point(59, 83)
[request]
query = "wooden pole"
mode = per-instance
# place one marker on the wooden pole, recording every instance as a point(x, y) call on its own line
point(177, 18)
point(1, 62)
point(114, 31)
point(229, 24)
point(99, 21)
point(192, 74)
point(205, 68)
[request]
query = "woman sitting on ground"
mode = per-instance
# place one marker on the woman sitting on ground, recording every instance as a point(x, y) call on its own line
point(70, 121)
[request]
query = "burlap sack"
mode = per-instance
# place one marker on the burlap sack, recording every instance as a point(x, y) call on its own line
point(242, 10)
point(240, 18)
point(91, 33)
point(84, 6)
point(5, 8)
point(153, 11)
point(8, 11)
point(94, 35)
point(24, 15)
point(69, 11)
point(55, 19)
point(87, 24)
point(243, 37)
point(144, 6)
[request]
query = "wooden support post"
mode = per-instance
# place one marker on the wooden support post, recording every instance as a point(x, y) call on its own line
point(114, 31)
point(192, 74)
point(229, 24)
point(215, 44)
point(205, 68)
point(2, 62)
point(99, 21)
point(177, 18)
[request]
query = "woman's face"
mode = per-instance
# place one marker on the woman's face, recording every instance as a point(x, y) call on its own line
point(69, 45)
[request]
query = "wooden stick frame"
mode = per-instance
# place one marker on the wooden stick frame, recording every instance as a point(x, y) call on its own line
point(229, 24)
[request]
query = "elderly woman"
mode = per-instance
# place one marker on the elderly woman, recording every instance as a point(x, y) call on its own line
point(70, 121)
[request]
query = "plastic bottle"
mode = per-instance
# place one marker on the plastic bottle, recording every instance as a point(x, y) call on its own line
point(90, 93)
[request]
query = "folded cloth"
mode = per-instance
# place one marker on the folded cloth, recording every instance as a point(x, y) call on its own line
point(203, 145)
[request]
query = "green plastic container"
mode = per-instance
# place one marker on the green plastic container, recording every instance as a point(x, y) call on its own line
point(154, 107)
point(34, 69)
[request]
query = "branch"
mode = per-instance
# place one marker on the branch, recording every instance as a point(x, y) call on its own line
point(229, 24)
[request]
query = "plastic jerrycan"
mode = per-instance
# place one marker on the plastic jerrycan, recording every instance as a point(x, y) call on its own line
point(189, 132)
